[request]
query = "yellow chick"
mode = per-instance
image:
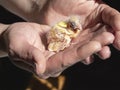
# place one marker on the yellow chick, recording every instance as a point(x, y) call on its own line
point(61, 34)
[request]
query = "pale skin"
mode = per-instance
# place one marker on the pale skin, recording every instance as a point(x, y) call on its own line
point(100, 23)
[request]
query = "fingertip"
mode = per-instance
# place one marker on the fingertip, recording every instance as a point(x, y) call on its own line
point(88, 60)
point(40, 68)
point(109, 37)
point(39, 60)
point(104, 53)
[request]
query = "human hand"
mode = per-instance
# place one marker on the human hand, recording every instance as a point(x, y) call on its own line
point(27, 48)
point(91, 13)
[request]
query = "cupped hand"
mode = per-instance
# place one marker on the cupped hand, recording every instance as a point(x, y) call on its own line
point(91, 14)
point(26, 45)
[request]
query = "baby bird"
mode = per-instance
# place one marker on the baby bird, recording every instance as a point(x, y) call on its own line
point(61, 34)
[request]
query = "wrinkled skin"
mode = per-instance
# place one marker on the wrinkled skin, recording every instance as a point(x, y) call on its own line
point(90, 12)
point(100, 28)
point(27, 47)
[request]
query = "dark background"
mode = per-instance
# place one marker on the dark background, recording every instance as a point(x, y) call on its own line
point(100, 75)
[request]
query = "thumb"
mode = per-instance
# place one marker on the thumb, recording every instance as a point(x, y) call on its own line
point(40, 61)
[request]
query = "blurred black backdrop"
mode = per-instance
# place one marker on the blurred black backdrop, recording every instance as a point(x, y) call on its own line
point(101, 75)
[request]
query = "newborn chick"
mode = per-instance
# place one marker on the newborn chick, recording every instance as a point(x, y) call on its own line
point(61, 34)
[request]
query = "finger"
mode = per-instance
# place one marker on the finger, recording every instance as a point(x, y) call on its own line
point(88, 49)
point(111, 17)
point(117, 40)
point(88, 60)
point(76, 55)
point(105, 38)
point(62, 60)
point(104, 53)
point(29, 54)
point(99, 31)
point(20, 56)
point(40, 61)
point(32, 58)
